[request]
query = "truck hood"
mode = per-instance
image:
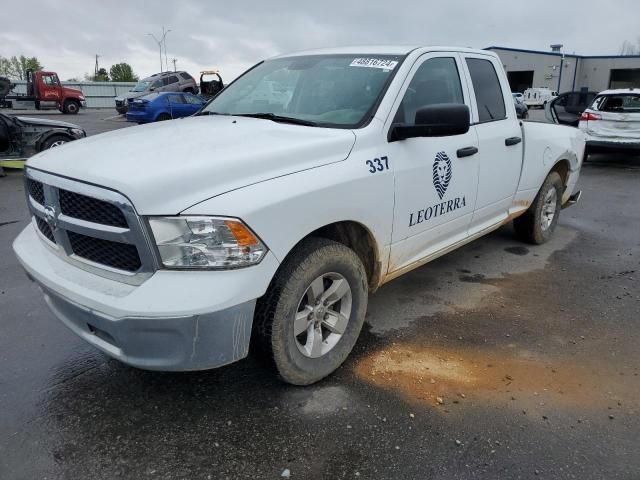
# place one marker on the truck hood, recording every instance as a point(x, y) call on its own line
point(43, 122)
point(166, 167)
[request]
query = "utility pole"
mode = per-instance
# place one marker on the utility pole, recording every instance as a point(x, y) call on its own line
point(175, 60)
point(97, 68)
point(160, 43)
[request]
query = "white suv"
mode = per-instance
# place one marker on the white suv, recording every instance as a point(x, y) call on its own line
point(612, 122)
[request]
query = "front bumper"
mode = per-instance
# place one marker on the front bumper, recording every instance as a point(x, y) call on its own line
point(195, 342)
point(83, 103)
point(175, 320)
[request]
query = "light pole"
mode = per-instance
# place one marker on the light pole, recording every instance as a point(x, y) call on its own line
point(160, 42)
point(164, 40)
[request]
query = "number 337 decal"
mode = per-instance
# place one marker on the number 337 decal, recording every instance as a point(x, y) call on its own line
point(378, 164)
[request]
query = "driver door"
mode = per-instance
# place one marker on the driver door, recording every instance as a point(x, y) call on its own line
point(436, 178)
point(50, 88)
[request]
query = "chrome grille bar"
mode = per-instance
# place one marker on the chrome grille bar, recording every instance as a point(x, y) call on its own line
point(106, 236)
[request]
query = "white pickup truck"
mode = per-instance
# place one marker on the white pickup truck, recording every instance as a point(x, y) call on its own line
point(269, 219)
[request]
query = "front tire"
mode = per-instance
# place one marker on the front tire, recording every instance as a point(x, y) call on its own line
point(71, 107)
point(54, 141)
point(538, 223)
point(311, 316)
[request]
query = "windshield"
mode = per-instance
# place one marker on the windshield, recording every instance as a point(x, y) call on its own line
point(328, 90)
point(141, 86)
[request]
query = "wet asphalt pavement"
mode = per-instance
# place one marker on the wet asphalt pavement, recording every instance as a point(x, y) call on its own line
point(499, 360)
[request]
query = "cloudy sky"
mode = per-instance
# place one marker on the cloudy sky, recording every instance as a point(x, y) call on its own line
point(233, 35)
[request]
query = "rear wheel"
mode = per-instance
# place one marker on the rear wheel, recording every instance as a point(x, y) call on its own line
point(311, 316)
point(71, 107)
point(538, 223)
point(162, 117)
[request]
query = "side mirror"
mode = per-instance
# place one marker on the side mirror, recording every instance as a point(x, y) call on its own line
point(439, 120)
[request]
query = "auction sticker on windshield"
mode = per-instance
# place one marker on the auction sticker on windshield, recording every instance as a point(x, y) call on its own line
point(374, 63)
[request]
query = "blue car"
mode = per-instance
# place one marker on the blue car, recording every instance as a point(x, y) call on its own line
point(163, 106)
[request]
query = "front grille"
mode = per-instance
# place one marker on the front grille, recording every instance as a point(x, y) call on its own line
point(45, 229)
point(36, 191)
point(85, 216)
point(118, 255)
point(90, 209)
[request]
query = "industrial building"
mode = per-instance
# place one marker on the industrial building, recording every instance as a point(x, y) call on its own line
point(563, 72)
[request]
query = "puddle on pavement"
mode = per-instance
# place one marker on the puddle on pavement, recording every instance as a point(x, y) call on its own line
point(448, 378)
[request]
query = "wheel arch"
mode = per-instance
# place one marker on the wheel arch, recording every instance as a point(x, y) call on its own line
point(53, 133)
point(358, 238)
point(562, 167)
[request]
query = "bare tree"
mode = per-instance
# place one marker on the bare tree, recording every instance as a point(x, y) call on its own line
point(630, 48)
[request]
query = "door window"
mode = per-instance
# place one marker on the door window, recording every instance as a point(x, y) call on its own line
point(156, 84)
point(436, 81)
point(176, 99)
point(172, 79)
point(49, 80)
point(489, 96)
point(192, 99)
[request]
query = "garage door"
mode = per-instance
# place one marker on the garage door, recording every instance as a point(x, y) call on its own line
point(625, 78)
point(520, 81)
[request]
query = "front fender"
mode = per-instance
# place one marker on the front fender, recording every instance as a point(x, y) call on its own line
point(284, 210)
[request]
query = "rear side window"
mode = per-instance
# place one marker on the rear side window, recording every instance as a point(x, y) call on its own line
point(186, 76)
point(617, 103)
point(488, 92)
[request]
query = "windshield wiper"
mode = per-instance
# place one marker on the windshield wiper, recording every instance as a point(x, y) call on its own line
point(278, 118)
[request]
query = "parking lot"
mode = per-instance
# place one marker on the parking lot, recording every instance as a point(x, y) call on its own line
point(499, 360)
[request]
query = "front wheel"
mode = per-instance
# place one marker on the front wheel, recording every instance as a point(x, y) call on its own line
point(311, 316)
point(538, 223)
point(71, 107)
point(54, 141)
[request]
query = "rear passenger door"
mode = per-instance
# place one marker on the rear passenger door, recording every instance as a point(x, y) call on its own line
point(499, 137)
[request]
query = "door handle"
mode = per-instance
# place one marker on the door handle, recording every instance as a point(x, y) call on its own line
point(512, 141)
point(466, 151)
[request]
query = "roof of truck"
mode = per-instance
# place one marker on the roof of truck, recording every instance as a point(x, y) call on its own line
point(382, 50)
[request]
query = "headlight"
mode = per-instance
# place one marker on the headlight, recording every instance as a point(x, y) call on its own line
point(77, 132)
point(206, 242)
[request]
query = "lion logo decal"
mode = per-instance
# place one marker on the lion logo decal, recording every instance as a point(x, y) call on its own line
point(441, 173)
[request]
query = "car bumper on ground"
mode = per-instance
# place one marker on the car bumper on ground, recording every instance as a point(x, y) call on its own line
point(174, 321)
